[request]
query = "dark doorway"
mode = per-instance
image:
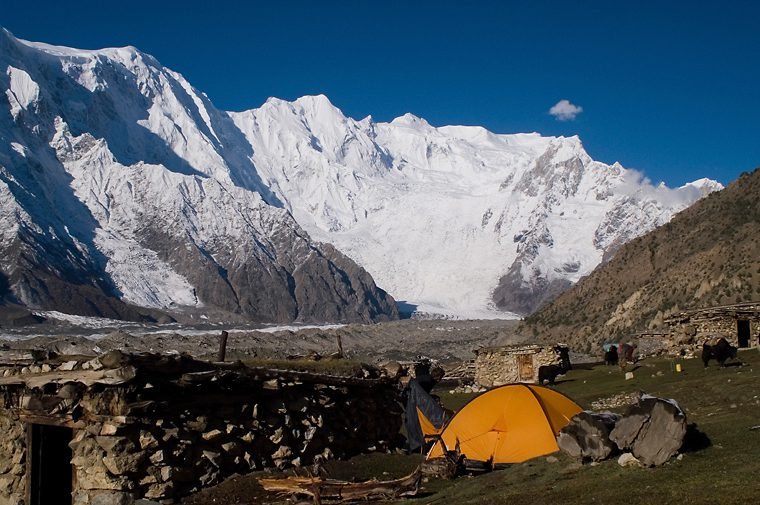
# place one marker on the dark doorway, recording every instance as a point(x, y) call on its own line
point(742, 328)
point(50, 459)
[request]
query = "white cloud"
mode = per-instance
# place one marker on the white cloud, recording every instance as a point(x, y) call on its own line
point(565, 111)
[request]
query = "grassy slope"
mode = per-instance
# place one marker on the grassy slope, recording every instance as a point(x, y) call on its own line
point(724, 403)
point(707, 255)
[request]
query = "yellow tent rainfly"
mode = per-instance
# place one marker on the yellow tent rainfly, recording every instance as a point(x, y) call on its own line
point(507, 424)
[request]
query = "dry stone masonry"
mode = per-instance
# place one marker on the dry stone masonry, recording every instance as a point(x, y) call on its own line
point(161, 427)
point(495, 366)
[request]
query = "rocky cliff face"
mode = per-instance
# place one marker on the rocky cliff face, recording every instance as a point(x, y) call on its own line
point(124, 193)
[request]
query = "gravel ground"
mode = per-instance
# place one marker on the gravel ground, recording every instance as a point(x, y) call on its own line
point(397, 340)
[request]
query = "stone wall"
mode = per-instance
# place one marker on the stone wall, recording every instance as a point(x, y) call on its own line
point(495, 366)
point(162, 439)
point(685, 333)
point(12, 459)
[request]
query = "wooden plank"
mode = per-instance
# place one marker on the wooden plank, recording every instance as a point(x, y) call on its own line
point(86, 377)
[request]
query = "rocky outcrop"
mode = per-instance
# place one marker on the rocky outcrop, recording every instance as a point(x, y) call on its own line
point(513, 294)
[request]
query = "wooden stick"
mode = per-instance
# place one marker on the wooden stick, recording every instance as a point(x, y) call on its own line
point(222, 346)
point(331, 489)
point(340, 346)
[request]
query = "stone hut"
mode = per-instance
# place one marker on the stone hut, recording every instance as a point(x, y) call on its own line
point(495, 366)
point(739, 324)
point(120, 428)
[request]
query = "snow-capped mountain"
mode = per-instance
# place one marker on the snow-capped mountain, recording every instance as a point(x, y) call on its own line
point(123, 187)
point(119, 178)
point(456, 219)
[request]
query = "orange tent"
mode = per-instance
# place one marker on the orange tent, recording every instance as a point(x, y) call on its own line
point(507, 424)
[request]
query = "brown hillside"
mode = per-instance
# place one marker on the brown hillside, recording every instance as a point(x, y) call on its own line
point(707, 255)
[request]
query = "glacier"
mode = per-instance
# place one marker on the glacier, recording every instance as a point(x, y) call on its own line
point(447, 218)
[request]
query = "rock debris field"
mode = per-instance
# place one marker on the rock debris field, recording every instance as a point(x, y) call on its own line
point(397, 340)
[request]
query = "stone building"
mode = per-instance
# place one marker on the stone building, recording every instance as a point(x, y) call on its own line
point(495, 366)
point(119, 428)
point(739, 324)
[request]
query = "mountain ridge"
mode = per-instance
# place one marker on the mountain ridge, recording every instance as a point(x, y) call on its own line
point(107, 204)
point(454, 219)
point(345, 180)
point(707, 255)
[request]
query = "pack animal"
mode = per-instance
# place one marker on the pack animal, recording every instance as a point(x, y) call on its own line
point(721, 351)
point(549, 373)
point(611, 356)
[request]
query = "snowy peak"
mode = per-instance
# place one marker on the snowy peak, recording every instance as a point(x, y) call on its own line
point(455, 219)
point(145, 192)
point(409, 120)
point(126, 193)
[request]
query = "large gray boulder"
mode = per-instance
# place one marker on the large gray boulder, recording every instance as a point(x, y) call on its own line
point(653, 430)
point(588, 436)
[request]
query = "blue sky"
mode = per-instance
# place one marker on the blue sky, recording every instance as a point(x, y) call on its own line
point(669, 88)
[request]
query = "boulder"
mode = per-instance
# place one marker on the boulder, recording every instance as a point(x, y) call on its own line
point(653, 430)
point(588, 436)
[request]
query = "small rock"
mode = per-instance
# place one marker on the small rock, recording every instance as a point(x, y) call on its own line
point(212, 435)
point(213, 457)
point(283, 452)
point(552, 459)
point(628, 459)
point(68, 366)
point(157, 457)
point(109, 429)
point(147, 440)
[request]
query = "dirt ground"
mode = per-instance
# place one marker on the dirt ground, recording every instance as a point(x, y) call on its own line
point(245, 489)
point(239, 490)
